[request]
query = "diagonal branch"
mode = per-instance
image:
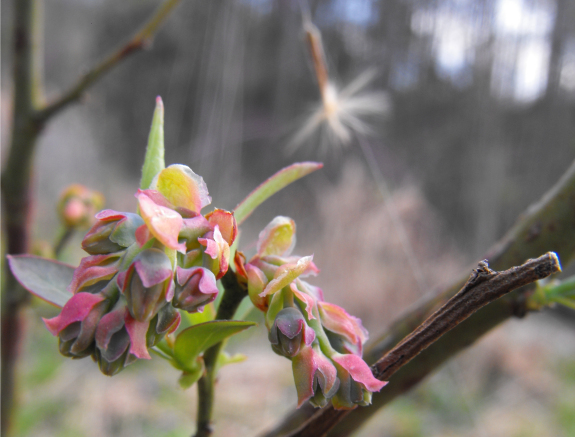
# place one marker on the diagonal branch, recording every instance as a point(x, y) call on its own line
point(139, 41)
point(483, 287)
point(546, 226)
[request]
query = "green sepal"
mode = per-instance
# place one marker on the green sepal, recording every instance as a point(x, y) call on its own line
point(191, 375)
point(275, 306)
point(45, 278)
point(192, 341)
point(154, 161)
point(272, 185)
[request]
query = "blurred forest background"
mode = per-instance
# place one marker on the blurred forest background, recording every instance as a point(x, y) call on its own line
point(480, 123)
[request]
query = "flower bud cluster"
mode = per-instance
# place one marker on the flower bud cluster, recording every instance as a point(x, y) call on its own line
point(141, 269)
point(77, 206)
point(322, 340)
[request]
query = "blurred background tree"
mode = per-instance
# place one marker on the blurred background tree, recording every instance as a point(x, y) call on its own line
point(481, 120)
point(479, 91)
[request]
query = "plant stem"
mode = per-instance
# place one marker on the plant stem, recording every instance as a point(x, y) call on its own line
point(483, 287)
point(16, 186)
point(234, 293)
point(64, 238)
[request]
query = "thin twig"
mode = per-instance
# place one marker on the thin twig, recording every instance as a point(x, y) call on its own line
point(63, 240)
point(234, 293)
point(484, 286)
point(139, 41)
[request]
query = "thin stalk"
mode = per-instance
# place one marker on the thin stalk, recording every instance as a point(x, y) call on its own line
point(234, 293)
point(63, 240)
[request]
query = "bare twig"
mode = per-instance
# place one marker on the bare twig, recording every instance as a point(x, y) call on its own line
point(63, 240)
point(140, 40)
point(484, 286)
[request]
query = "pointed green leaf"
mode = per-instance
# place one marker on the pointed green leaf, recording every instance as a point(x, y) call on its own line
point(154, 160)
point(194, 340)
point(271, 186)
point(191, 375)
point(45, 278)
point(224, 359)
point(565, 288)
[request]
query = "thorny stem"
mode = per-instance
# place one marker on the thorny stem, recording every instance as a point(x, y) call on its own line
point(234, 293)
point(29, 118)
point(483, 287)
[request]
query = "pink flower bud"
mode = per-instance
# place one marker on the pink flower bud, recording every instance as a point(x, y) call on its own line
point(94, 273)
point(315, 376)
point(290, 332)
point(356, 382)
point(195, 287)
point(77, 206)
point(114, 231)
point(216, 252)
point(346, 332)
point(147, 284)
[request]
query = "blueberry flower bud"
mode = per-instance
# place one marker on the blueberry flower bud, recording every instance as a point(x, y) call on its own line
point(77, 206)
point(113, 340)
point(315, 376)
point(357, 383)
point(147, 284)
point(166, 321)
point(76, 324)
point(289, 332)
point(94, 273)
point(346, 332)
point(114, 231)
point(195, 287)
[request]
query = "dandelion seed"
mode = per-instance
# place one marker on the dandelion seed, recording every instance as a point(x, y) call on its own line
point(341, 113)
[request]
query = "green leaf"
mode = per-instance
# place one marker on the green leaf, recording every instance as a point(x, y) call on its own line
point(154, 160)
point(164, 348)
point(191, 342)
point(271, 186)
point(191, 375)
point(45, 278)
point(207, 315)
point(224, 359)
point(565, 288)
